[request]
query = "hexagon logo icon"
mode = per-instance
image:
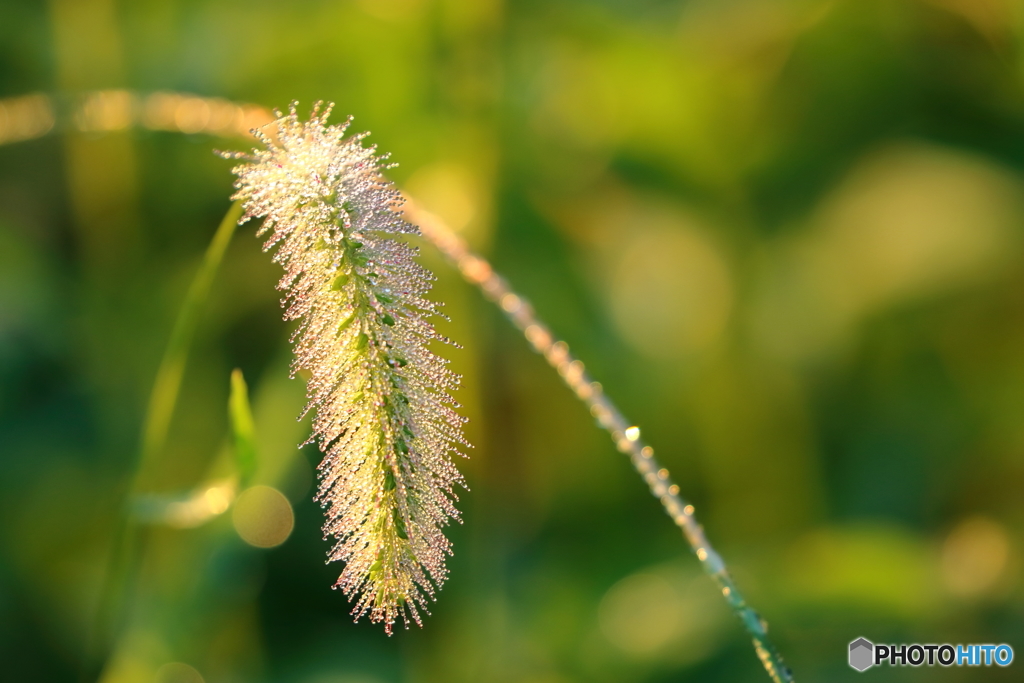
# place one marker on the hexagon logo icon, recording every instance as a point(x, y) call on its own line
point(862, 653)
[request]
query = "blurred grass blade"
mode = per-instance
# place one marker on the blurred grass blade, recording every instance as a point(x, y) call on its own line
point(242, 428)
point(118, 582)
point(164, 396)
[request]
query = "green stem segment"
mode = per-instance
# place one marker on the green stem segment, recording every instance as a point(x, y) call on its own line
point(364, 296)
point(478, 271)
point(163, 398)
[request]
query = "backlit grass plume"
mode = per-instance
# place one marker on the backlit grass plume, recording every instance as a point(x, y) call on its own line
point(384, 414)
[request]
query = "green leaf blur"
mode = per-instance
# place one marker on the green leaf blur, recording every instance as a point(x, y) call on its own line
point(242, 428)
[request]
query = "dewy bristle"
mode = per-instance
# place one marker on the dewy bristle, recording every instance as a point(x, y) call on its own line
point(383, 413)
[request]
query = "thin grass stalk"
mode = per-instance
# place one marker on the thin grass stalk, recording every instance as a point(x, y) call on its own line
point(477, 271)
point(163, 399)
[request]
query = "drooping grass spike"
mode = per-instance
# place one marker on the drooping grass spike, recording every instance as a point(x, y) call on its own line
point(384, 418)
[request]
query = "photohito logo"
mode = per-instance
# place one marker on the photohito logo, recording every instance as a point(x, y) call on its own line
point(861, 654)
point(864, 654)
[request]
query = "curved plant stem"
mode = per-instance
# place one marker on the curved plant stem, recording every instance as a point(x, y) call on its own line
point(162, 400)
point(478, 271)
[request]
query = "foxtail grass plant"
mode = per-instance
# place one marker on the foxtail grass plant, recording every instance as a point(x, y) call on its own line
point(385, 417)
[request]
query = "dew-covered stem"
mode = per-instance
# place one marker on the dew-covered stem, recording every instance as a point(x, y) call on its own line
point(626, 436)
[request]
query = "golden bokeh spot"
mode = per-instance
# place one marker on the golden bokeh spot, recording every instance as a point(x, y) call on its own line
point(640, 614)
point(263, 517)
point(910, 221)
point(203, 505)
point(671, 292)
point(975, 557)
point(217, 499)
point(665, 614)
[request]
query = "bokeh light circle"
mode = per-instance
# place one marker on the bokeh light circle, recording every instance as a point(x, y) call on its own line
point(263, 517)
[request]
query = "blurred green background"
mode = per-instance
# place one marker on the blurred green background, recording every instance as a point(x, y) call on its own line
point(786, 235)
